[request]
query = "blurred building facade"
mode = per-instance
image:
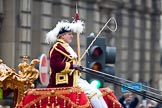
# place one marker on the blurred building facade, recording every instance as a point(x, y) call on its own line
point(24, 24)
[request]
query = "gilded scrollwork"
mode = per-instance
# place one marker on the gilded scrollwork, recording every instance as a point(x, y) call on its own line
point(19, 81)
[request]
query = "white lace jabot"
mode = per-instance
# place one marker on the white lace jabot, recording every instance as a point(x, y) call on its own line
point(71, 51)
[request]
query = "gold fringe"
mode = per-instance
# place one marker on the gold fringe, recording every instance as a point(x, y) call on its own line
point(46, 94)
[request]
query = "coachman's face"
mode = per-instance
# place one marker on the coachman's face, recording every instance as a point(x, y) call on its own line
point(67, 37)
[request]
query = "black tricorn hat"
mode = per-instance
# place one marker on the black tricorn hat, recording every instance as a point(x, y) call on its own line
point(64, 30)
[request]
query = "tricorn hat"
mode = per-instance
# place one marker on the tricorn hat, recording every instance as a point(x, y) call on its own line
point(62, 27)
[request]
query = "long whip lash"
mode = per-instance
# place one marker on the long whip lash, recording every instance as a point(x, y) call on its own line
point(99, 34)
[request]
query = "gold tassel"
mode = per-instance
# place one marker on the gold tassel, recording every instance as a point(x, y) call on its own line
point(53, 105)
point(64, 103)
point(40, 102)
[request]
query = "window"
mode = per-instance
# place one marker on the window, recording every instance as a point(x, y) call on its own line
point(147, 66)
point(125, 20)
point(136, 44)
point(124, 55)
point(124, 66)
point(1, 6)
point(138, 2)
point(148, 35)
point(137, 34)
point(26, 5)
point(136, 66)
point(149, 3)
point(25, 35)
point(46, 22)
point(148, 23)
point(147, 45)
point(65, 11)
point(124, 43)
point(147, 56)
point(124, 31)
point(137, 22)
point(47, 8)
point(25, 19)
point(25, 49)
point(136, 55)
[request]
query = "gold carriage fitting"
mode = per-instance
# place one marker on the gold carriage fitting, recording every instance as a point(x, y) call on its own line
point(19, 81)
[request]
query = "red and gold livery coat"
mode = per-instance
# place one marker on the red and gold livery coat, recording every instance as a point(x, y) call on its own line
point(61, 66)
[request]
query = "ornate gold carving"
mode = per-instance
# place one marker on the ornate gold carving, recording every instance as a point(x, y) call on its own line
point(19, 81)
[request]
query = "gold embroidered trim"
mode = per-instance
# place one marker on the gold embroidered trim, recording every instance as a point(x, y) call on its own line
point(67, 65)
point(54, 47)
point(75, 78)
point(63, 53)
point(58, 92)
point(105, 93)
point(61, 78)
point(52, 50)
point(67, 68)
point(99, 95)
point(91, 95)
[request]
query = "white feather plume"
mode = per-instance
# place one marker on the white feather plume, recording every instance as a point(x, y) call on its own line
point(76, 27)
point(51, 36)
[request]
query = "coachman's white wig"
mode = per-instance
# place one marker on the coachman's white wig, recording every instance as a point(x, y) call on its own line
point(62, 27)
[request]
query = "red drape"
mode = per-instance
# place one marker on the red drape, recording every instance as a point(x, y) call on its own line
point(69, 97)
point(65, 97)
point(110, 98)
